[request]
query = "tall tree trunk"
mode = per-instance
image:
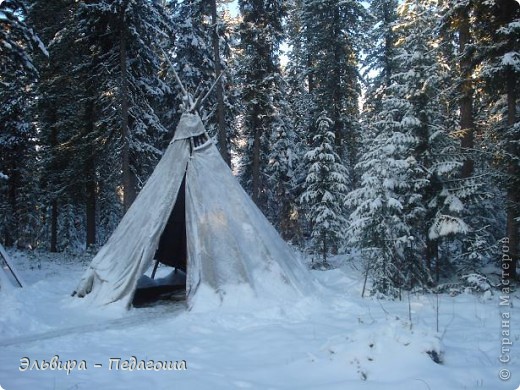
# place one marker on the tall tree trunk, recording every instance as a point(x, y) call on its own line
point(310, 75)
point(389, 46)
point(91, 182)
point(91, 200)
point(256, 182)
point(54, 201)
point(513, 197)
point(222, 134)
point(54, 226)
point(336, 88)
point(11, 233)
point(432, 255)
point(423, 156)
point(53, 141)
point(129, 191)
point(325, 247)
point(466, 93)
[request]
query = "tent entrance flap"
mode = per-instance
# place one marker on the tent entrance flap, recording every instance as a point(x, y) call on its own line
point(172, 249)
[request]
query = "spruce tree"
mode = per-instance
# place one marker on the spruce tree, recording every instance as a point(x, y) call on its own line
point(60, 115)
point(462, 50)
point(412, 169)
point(324, 195)
point(200, 54)
point(385, 205)
point(99, 92)
point(282, 160)
point(260, 37)
point(333, 33)
point(302, 106)
point(193, 50)
point(500, 72)
point(18, 43)
point(420, 82)
point(126, 58)
point(379, 62)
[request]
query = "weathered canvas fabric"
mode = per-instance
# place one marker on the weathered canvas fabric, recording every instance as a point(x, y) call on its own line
point(229, 241)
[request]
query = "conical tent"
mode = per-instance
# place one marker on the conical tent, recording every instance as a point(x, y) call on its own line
point(194, 215)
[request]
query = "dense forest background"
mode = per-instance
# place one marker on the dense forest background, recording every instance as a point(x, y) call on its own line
point(385, 127)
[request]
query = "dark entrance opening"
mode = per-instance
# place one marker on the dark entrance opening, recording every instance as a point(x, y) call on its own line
point(172, 252)
point(172, 249)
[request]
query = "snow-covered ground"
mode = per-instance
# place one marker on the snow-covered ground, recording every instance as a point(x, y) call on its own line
point(335, 341)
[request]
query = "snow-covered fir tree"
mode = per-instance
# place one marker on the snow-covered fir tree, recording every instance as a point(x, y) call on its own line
point(385, 204)
point(126, 39)
point(379, 62)
point(18, 41)
point(324, 194)
point(421, 82)
point(64, 181)
point(282, 202)
point(378, 65)
point(193, 53)
point(97, 111)
point(412, 131)
point(500, 72)
point(459, 25)
point(261, 34)
point(18, 44)
point(201, 53)
point(300, 99)
point(333, 36)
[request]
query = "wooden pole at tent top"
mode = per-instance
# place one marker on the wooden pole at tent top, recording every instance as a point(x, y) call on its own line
point(189, 104)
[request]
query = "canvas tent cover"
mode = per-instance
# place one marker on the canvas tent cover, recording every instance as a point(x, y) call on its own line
point(228, 241)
